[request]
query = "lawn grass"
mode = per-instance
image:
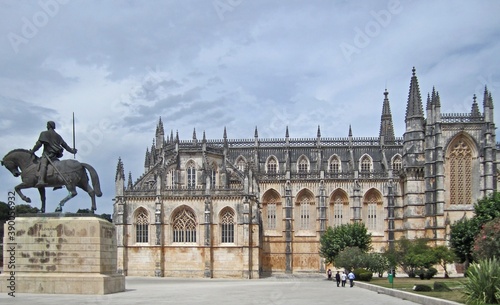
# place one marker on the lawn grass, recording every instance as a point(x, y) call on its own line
point(406, 284)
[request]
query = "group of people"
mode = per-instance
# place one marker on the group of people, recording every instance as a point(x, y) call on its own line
point(341, 279)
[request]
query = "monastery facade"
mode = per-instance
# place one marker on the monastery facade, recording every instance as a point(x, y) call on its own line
point(257, 207)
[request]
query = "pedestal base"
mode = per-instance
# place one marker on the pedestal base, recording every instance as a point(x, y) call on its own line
point(61, 254)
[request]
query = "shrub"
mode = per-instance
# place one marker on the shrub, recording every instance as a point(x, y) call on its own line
point(357, 272)
point(426, 273)
point(440, 286)
point(419, 287)
point(483, 283)
point(365, 276)
point(487, 242)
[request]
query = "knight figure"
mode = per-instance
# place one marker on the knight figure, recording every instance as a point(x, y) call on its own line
point(53, 147)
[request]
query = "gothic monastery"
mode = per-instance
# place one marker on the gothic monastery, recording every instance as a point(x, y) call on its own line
point(257, 207)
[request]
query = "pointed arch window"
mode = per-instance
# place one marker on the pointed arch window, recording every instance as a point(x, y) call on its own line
point(334, 165)
point(366, 164)
point(397, 163)
point(227, 226)
point(241, 164)
point(305, 214)
point(272, 166)
point(460, 173)
point(271, 214)
point(372, 211)
point(184, 227)
point(213, 176)
point(191, 175)
point(141, 227)
point(303, 166)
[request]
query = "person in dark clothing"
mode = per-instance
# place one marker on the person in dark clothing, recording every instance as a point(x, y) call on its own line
point(329, 274)
point(53, 147)
point(337, 278)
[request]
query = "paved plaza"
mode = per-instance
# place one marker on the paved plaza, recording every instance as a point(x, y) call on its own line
point(286, 291)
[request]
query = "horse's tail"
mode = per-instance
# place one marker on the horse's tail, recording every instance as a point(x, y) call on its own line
point(95, 179)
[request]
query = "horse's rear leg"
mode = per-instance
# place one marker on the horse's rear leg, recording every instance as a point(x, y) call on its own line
point(87, 188)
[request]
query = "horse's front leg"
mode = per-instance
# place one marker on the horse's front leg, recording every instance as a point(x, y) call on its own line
point(18, 189)
point(41, 190)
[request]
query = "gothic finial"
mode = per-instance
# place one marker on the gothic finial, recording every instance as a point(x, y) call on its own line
point(177, 136)
point(386, 125)
point(429, 102)
point(413, 71)
point(350, 131)
point(204, 137)
point(319, 133)
point(225, 133)
point(287, 135)
point(120, 174)
point(194, 133)
point(414, 108)
point(256, 134)
point(129, 184)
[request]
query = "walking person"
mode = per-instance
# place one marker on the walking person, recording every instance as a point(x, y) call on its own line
point(329, 274)
point(351, 278)
point(337, 278)
point(343, 278)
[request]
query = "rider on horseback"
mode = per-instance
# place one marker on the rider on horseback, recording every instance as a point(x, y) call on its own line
point(53, 145)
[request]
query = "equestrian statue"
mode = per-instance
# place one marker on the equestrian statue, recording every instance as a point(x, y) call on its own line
point(49, 171)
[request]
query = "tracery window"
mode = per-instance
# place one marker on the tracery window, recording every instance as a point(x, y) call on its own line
point(272, 166)
point(213, 176)
point(338, 206)
point(460, 173)
point(191, 175)
point(141, 227)
point(303, 166)
point(397, 163)
point(241, 165)
point(227, 226)
point(335, 165)
point(184, 227)
point(366, 164)
point(271, 214)
point(372, 206)
point(305, 214)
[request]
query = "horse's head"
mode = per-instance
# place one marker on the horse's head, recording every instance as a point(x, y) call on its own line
point(12, 167)
point(11, 161)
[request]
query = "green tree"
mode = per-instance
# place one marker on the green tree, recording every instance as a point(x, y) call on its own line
point(4, 211)
point(377, 263)
point(464, 232)
point(487, 242)
point(351, 258)
point(445, 256)
point(337, 239)
point(412, 255)
point(462, 239)
point(25, 209)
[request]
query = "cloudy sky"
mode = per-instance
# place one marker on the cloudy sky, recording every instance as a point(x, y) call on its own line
point(121, 65)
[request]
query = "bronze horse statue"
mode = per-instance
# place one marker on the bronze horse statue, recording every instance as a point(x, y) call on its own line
point(68, 173)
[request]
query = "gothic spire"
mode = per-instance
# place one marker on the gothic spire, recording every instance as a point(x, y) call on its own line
point(386, 125)
point(414, 107)
point(129, 184)
point(350, 131)
point(475, 108)
point(256, 134)
point(120, 173)
point(318, 133)
point(287, 134)
point(146, 159)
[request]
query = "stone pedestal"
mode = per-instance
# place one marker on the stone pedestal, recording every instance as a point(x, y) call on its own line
point(60, 253)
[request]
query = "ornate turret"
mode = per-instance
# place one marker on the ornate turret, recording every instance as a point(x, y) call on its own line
point(413, 146)
point(386, 126)
point(475, 114)
point(119, 178)
point(160, 134)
